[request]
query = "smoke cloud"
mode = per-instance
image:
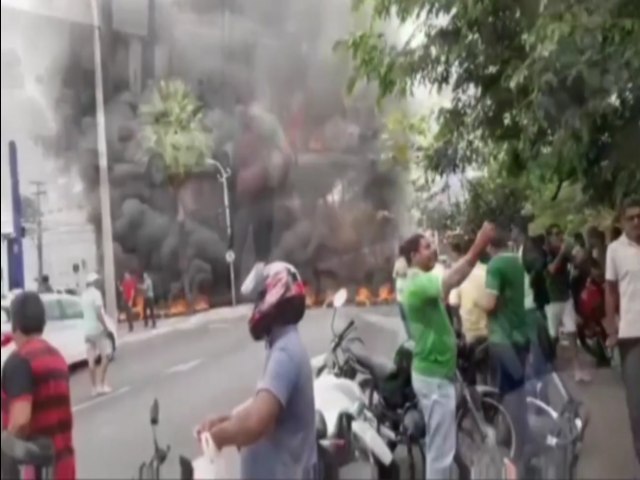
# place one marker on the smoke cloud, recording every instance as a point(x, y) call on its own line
point(330, 221)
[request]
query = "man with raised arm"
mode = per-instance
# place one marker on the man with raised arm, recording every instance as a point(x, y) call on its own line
point(435, 353)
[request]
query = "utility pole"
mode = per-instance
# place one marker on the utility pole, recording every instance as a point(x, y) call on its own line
point(38, 194)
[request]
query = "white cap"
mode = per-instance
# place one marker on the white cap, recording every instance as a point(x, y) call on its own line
point(92, 277)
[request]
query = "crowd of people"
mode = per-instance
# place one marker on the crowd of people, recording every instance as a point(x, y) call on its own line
point(516, 297)
point(522, 294)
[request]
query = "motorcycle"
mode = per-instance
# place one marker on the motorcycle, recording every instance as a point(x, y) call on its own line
point(151, 469)
point(345, 426)
point(481, 421)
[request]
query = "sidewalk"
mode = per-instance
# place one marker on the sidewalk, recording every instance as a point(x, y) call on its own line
point(166, 325)
point(607, 450)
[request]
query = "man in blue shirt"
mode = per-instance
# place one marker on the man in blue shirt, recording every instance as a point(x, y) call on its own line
point(275, 430)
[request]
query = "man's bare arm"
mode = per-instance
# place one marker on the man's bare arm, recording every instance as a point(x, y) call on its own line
point(250, 423)
point(612, 299)
point(457, 274)
point(20, 417)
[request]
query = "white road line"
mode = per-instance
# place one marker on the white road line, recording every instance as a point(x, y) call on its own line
point(183, 367)
point(95, 401)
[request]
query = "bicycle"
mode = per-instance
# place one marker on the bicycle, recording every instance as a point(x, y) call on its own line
point(492, 437)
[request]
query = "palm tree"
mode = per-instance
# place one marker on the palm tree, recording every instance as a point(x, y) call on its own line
point(174, 130)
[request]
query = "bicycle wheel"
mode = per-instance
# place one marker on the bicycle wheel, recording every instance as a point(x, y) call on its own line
point(491, 463)
point(471, 439)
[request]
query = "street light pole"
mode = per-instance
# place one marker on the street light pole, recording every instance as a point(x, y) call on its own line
point(223, 176)
point(108, 262)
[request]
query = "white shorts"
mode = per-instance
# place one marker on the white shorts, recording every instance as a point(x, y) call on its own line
point(561, 314)
point(97, 344)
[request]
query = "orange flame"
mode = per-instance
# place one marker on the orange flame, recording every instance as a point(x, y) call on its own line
point(138, 306)
point(202, 304)
point(364, 297)
point(178, 307)
point(386, 294)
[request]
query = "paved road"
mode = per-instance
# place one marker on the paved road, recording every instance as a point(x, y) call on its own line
point(208, 366)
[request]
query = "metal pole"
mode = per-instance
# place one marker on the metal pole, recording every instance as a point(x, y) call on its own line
point(39, 193)
point(232, 273)
point(108, 267)
point(223, 176)
point(14, 245)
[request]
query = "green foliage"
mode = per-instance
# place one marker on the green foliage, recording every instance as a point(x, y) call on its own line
point(548, 90)
point(174, 129)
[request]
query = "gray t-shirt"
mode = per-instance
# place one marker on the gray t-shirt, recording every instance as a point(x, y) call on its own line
point(289, 451)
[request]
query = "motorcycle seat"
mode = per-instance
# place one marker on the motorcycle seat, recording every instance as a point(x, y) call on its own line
point(37, 453)
point(378, 368)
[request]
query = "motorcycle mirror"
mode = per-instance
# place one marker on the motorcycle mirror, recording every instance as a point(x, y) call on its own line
point(154, 414)
point(340, 298)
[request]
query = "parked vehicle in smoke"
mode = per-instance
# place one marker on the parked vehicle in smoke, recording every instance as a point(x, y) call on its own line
point(64, 328)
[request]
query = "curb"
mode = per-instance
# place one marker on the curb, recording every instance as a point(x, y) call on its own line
point(187, 322)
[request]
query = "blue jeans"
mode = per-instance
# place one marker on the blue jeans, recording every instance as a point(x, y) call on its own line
point(437, 399)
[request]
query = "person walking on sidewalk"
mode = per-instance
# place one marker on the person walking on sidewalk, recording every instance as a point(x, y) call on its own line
point(148, 308)
point(129, 288)
point(623, 295)
point(96, 335)
point(435, 351)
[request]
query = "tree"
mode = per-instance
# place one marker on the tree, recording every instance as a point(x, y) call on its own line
point(549, 91)
point(174, 130)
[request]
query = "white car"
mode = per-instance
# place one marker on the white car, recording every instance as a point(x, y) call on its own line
point(64, 328)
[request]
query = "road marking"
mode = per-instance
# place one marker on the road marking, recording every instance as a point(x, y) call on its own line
point(97, 400)
point(183, 367)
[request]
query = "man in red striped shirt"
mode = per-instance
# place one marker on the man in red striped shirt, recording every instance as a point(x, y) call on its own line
point(36, 401)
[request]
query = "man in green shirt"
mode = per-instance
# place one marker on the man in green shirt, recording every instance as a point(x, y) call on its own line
point(509, 331)
point(435, 352)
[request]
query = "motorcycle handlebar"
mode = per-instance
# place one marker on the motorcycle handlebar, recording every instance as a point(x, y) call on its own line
point(342, 335)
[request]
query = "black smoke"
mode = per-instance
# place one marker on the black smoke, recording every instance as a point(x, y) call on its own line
point(280, 52)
